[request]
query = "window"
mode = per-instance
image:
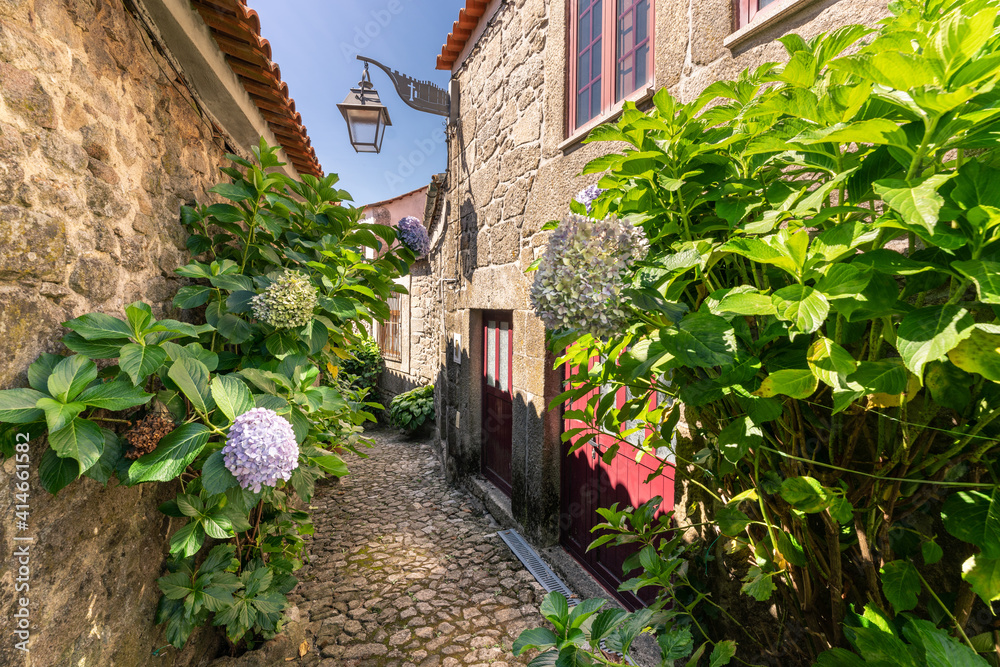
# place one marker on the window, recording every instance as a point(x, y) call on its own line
point(611, 45)
point(389, 338)
point(746, 10)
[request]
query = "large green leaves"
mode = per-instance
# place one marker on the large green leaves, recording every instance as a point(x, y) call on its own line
point(141, 361)
point(974, 517)
point(80, 439)
point(70, 377)
point(701, 340)
point(917, 202)
point(928, 334)
point(901, 584)
point(983, 575)
point(231, 396)
point(805, 307)
point(19, 406)
point(192, 377)
point(174, 453)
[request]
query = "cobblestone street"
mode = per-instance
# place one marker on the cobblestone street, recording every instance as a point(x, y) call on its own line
point(407, 572)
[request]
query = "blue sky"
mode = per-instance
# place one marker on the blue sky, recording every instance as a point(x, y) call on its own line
point(315, 43)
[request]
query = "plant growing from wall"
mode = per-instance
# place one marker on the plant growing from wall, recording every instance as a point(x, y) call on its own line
point(412, 409)
point(230, 410)
point(821, 296)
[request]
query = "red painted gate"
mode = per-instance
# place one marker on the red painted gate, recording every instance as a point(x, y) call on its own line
point(588, 483)
point(498, 350)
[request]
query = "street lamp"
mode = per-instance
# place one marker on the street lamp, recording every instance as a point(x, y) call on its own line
point(366, 116)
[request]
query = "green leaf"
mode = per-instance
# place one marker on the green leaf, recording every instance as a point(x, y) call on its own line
point(534, 638)
point(731, 521)
point(80, 439)
point(793, 382)
point(805, 494)
point(56, 473)
point(738, 437)
point(932, 552)
point(723, 653)
point(215, 476)
point(59, 414)
point(114, 396)
point(192, 296)
point(949, 386)
point(758, 585)
point(839, 657)
point(702, 340)
point(192, 377)
point(18, 406)
point(983, 575)
point(176, 585)
point(98, 326)
point(188, 540)
point(141, 361)
point(901, 585)
point(878, 131)
point(880, 377)
point(979, 353)
point(803, 306)
point(844, 280)
point(876, 645)
point(791, 550)
point(929, 334)
point(974, 517)
point(917, 202)
point(676, 644)
point(746, 303)
point(555, 609)
point(986, 276)
point(235, 328)
point(41, 369)
point(70, 377)
point(332, 464)
point(101, 472)
point(108, 348)
point(231, 396)
point(939, 649)
point(827, 360)
point(175, 452)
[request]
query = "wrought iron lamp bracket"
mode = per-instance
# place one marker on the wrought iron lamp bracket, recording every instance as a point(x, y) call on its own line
point(420, 95)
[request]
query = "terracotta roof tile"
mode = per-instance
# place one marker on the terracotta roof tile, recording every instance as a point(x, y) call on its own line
point(236, 29)
point(468, 20)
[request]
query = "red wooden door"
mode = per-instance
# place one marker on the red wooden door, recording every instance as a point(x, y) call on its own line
point(588, 483)
point(498, 375)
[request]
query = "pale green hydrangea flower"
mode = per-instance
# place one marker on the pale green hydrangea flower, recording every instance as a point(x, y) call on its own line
point(287, 303)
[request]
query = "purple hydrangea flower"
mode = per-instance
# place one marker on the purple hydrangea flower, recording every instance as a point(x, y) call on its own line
point(583, 272)
point(261, 449)
point(413, 235)
point(588, 195)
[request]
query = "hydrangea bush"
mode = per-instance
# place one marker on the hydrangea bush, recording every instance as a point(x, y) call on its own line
point(587, 196)
point(413, 234)
point(288, 302)
point(261, 449)
point(242, 427)
point(583, 272)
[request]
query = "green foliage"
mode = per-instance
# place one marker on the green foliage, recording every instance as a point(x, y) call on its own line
point(362, 368)
point(412, 409)
point(820, 296)
point(297, 237)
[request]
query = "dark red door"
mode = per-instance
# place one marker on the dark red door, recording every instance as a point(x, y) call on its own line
point(588, 483)
point(498, 351)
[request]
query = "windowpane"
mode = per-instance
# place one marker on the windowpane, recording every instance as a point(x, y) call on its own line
point(389, 338)
point(632, 55)
point(761, 4)
point(491, 353)
point(504, 383)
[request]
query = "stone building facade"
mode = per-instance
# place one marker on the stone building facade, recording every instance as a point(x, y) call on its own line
point(113, 115)
point(514, 164)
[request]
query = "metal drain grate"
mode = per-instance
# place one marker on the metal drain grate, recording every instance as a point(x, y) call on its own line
point(542, 573)
point(536, 566)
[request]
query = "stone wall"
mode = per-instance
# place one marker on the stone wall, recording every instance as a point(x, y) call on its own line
point(99, 147)
point(512, 168)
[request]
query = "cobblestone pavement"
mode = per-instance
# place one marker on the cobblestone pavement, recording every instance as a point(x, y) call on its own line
point(407, 572)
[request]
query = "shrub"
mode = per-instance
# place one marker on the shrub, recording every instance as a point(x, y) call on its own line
point(822, 292)
point(227, 409)
point(412, 409)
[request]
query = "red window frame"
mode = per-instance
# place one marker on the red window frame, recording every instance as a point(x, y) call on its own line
point(619, 20)
point(745, 11)
point(389, 334)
